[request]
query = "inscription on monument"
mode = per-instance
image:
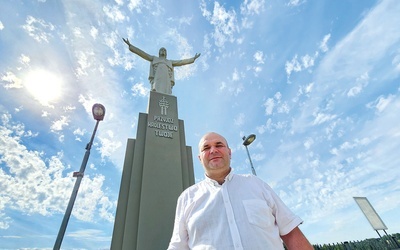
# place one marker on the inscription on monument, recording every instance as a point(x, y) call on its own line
point(164, 126)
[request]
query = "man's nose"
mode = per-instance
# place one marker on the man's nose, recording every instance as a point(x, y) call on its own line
point(213, 150)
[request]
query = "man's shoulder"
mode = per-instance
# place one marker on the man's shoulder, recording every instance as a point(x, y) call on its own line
point(195, 187)
point(250, 180)
point(244, 176)
point(192, 191)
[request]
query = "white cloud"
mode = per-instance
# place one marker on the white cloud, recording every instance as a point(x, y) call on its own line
point(69, 108)
point(25, 60)
point(135, 4)
point(109, 145)
point(234, 87)
point(269, 105)
point(79, 132)
point(296, 65)
point(257, 70)
point(295, 2)
point(353, 55)
point(259, 57)
point(58, 125)
point(5, 223)
point(94, 32)
point(90, 197)
point(251, 7)
point(257, 158)
point(293, 65)
point(309, 87)
point(34, 184)
point(11, 80)
point(322, 118)
point(83, 235)
point(306, 89)
point(361, 82)
point(39, 29)
point(354, 90)
point(276, 103)
point(85, 61)
point(222, 86)
point(1, 25)
point(235, 75)
point(381, 103)
point(307, 61)
point(283, 108)
point(278, 96)
point(308, 143)
point(61, 137)
point(114, 13)
point(45, 113)
point(77, 32)
point(225, 23)
point(324, 44)
point(138, 89)
point(112, 41)
point(396, 62)
point(239, 119)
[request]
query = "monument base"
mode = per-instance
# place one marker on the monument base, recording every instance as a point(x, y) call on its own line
point(158, 166)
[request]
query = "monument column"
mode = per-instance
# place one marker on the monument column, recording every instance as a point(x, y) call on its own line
point(158, 166)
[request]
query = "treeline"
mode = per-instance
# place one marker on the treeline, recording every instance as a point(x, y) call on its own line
point(387, 242)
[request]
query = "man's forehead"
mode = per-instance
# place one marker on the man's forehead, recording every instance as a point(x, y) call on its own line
point(212, 142)
point(213, 138)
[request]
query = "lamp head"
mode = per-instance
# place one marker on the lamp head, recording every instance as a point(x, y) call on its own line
point(249, 139)
point(98, 111)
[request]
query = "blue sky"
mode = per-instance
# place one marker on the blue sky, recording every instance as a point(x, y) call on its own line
point(316, 81)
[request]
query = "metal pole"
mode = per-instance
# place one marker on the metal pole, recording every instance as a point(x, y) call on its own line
point(396, 244)
point(79, 177)
point(251, 163)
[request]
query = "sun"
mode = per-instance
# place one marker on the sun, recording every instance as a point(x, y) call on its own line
point(44, 86)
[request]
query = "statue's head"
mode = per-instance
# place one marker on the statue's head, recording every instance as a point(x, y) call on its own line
point(162, 53)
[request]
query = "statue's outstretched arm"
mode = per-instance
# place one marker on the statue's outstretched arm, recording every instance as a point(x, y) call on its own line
point(138, 51)
point(185, 61)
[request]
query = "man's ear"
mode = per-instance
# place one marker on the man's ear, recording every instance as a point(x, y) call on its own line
point(199, 158)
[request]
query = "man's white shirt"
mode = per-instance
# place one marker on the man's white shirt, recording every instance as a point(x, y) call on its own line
point(242, 213)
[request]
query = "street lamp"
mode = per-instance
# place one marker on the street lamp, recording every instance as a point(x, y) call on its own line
point(98, 112)
point(246, 142)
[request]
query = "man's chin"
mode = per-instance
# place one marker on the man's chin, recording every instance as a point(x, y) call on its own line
point(217, 159)
point(218, 165)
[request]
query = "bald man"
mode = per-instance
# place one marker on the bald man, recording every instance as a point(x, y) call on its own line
point(230, 211)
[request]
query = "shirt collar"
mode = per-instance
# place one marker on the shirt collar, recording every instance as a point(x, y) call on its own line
point(215, 183)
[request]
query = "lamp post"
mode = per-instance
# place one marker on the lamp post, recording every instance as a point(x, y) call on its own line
point(246, 142)
point(98, 112)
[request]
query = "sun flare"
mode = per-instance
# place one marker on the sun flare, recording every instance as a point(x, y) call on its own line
point(44, 86)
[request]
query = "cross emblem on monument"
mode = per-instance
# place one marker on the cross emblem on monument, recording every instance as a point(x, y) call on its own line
point(163, 105)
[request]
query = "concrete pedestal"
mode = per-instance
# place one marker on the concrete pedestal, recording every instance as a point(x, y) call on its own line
point(158, 167)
